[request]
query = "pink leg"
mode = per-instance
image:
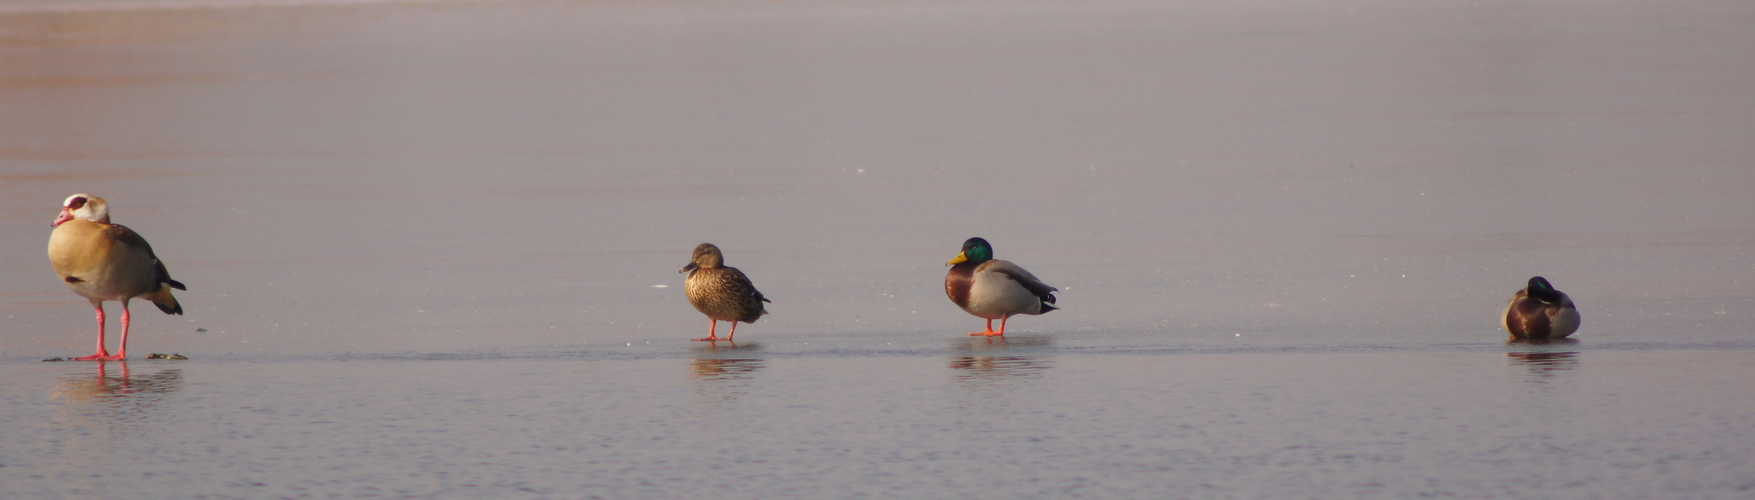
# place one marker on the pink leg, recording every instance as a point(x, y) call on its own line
point(711, 335)
point(121, 351)
point(733, 333)
point(101, 354)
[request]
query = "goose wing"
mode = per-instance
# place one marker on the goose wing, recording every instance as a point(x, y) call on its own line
point(131, 241)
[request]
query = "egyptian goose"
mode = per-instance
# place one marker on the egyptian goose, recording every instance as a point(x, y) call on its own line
point(102, 261)
point(1539, 312)
point(994, 289)
point(722, 293)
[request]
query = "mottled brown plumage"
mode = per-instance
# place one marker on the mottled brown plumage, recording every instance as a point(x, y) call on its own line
point(722, 293)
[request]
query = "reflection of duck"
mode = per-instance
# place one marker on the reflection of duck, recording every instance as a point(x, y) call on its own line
point(990, 367)
point(994, 289)
point(720, 382)
point(1539, 312)
point(1545, 363)
point(724, 369)
point(722, 293)
point(102, 261)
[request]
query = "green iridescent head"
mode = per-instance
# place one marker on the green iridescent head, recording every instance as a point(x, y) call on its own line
point(975, 250)
point(1540, 290)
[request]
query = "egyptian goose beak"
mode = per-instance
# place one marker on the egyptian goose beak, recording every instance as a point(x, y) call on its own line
point(66, 215)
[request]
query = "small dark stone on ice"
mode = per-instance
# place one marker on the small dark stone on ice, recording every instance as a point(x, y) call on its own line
point(200, 330)
point(54, 359)
point(166, 356)
point(155, 356)
point(177, 357)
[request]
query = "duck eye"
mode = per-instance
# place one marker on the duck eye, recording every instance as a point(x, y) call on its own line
point(76, 204)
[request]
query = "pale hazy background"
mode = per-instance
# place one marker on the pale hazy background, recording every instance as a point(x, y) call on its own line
point(466, 175)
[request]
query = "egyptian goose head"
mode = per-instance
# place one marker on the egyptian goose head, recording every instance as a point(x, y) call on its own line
point(84, 207)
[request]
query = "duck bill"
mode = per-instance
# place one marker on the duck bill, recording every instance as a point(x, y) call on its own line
point(961, 258)
point(66, 215)
point(689, 267)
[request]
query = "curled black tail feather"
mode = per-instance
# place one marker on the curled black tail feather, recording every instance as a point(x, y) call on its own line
point(1047, 298)
point(174, 308)
point(164, 300)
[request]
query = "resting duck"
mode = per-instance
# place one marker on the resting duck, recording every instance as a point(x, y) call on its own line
point(102, 261)
point(994, 289)
point(722, 293)
point(1539, 312)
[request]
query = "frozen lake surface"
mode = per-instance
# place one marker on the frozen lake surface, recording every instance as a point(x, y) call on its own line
point(1024, 421)
point(432, 248)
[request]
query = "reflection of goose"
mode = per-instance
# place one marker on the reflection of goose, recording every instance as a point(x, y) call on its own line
point(1539, 312)
point(110, 404)
point(994, 289)
point(722, 293)
point(115, 398)
point(724, 369)
point(102, 261)
point(106, 386)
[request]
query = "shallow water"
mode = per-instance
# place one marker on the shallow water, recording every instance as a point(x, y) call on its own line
point(432, 248)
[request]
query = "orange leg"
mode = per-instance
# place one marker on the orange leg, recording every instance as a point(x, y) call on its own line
point(990, 332)
point(101, 354)
point(733, 331)
point(711, 335)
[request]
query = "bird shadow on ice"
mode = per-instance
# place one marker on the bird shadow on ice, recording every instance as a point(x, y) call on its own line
point(1018, 344)
point(1533, 342)
point(709, 348)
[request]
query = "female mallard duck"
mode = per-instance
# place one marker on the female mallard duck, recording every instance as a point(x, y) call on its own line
point(994, 289)
point(1539, 312)
point(722, 293)
point(102, 261)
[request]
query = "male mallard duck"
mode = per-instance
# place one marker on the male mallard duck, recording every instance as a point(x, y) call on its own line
point(102, 261)
point(994, 289)
point(722, 293)
point(1539, 312)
